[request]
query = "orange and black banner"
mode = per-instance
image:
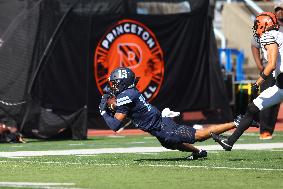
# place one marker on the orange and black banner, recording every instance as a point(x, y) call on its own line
point(174, 56)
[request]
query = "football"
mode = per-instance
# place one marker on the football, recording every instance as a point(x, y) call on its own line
point(111, 103)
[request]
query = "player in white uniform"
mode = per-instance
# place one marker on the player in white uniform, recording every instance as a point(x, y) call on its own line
point(268, 116)
point(265, 28)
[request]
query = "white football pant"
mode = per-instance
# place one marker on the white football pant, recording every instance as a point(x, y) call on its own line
point(269, 97)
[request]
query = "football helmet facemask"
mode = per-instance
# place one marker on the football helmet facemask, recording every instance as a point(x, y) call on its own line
point(121, 79)
point(265, 21)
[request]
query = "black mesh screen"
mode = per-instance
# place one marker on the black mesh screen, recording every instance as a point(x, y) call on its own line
point(47, 50)
point(19, 23)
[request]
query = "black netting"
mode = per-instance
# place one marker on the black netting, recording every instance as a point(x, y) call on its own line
point(47, 124)
point(47, 52)
point(18, 33)
point(10, 10)
point(27, 28)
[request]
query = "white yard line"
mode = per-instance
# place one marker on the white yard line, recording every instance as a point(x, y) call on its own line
point(154, 165)
point(82, 151)
point(211, 167)
point(260, 146)
point(38, 185)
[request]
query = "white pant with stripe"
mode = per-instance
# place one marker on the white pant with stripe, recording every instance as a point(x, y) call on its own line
point(269, 97)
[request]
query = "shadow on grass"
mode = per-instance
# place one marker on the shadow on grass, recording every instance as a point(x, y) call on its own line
point(238, 159)
point(166, 159)
point(34, 140)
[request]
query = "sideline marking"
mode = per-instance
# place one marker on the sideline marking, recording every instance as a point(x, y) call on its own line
point(38, 185)
point(208, 167)
point(258, 146)
point(155, 165)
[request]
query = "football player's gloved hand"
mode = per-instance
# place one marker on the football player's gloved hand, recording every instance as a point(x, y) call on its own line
point(254, 91)
point(108, 90)
point(198, 155)
point(103, 103)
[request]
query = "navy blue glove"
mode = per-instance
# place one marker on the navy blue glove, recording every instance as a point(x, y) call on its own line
point(108, 90)
point(103, 103)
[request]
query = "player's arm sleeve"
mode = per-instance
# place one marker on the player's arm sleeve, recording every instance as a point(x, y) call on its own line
point(268, 38)
point(112, 122)
point(123, 104)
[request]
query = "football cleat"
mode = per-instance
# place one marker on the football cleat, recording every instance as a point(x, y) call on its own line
point(202, 154)
point(265, 136)
point(239, 118)
point(222, 140)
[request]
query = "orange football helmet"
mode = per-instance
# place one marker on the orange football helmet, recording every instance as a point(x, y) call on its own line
point(265, 21)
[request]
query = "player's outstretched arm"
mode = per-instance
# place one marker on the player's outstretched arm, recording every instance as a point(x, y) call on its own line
point(114, 123)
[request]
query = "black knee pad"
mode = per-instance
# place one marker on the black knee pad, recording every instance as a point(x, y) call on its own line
point(279, 81)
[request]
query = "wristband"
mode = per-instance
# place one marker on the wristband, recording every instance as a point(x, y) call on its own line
point(263, 76)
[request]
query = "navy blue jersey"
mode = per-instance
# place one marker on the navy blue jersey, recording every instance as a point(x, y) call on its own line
point(143, 115)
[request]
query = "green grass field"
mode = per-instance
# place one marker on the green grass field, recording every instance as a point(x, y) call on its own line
point(236, 169)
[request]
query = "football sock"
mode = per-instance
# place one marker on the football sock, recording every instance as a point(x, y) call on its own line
point(244, 123)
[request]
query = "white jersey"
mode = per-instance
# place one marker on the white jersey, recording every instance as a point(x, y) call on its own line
point(256, 43)
point(272, 95)
point(271, 37)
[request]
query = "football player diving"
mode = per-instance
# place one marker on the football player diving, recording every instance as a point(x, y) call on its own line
point(130, 103)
